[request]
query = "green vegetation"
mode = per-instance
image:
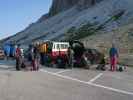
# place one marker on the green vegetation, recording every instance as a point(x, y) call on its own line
point(90, 29)
point(83, 31)
point(118, 15)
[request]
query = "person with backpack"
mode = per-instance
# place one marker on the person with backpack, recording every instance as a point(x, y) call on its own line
point(113, 53)
point(18, 56)
point(70, 55)
point(36, 57)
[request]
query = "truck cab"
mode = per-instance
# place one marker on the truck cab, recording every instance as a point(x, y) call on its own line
point(55, 50)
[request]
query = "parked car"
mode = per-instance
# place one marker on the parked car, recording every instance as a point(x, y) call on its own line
point(2, 55)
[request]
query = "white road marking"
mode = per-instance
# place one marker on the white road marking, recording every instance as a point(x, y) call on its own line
point(62, 71)
point(89, 83)
point(95, 78)
point(64, 77)
point(112, 89)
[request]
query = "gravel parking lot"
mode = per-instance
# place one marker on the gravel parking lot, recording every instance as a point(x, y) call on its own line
point(64, 84)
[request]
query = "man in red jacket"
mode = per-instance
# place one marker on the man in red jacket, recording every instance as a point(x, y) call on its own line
point(18, 56)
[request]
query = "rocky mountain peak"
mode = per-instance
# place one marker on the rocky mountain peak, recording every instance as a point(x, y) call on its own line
point(62, 5)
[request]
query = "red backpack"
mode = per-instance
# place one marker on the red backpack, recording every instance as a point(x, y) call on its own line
point(18, 52)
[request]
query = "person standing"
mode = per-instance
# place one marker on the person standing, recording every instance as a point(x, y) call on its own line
point(36, 58)
point(70, 54)
point(113, 53)
point(18, 56)
point(31, 56)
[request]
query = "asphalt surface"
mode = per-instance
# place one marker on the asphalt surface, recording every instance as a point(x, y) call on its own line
point(64, 84)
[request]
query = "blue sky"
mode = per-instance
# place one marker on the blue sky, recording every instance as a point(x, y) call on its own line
point(15, 15)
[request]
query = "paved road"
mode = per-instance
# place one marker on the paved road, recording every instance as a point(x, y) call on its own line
point(64, 84)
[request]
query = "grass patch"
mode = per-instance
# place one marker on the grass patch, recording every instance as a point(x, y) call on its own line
point(85, 30)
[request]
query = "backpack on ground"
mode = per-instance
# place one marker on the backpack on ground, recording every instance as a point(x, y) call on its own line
point(120, 68)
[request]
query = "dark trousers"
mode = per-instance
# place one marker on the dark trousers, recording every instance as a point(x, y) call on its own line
point(18, 64)
point(42, 58)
